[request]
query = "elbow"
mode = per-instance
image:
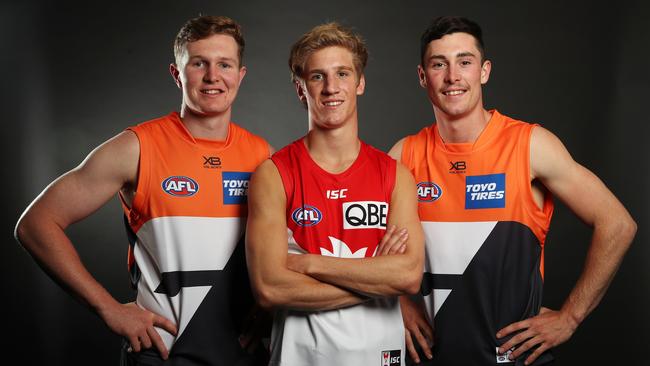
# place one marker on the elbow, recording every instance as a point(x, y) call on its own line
point(21, 230)
point(266, 297)
point(412, 283)
point(628, 230)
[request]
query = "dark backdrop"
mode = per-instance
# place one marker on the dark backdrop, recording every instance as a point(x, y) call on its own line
point(77, 73)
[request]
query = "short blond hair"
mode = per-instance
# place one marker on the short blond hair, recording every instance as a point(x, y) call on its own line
point(327, 35)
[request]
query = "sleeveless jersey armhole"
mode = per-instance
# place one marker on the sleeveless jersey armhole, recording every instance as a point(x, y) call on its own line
point(135, 213)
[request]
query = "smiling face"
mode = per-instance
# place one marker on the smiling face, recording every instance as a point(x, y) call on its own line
point(209, 74)
point(329, 85)
point(452, 73)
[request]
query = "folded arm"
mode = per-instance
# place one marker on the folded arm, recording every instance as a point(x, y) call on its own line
point(385, 275)
point(274, 285)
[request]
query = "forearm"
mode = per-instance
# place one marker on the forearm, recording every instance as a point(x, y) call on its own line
point(608, 246)
point(291, 290)
point(378, 276)
point(48, 244)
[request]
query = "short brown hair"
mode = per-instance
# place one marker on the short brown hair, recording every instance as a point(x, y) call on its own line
point(203, 27)
point(326, 35)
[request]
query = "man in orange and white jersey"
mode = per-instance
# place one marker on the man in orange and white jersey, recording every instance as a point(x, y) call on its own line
point(321, 244)
point(182, 180)
point(484, 185)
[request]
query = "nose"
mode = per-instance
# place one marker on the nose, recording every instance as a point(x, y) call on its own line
point(212, 74)
point(453, 74)
point(330, 85)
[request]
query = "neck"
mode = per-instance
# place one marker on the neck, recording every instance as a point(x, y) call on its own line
point(334, 150)
point(463, 129)
point(210, 127)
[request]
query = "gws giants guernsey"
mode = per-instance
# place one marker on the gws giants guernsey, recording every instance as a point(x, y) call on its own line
point(186, 222)
point(341, 215)
point(484, 238)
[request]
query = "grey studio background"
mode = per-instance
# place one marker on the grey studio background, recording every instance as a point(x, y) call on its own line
point(77, 73)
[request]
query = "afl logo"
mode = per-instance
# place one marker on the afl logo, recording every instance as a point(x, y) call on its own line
point(180, 186)
point(428, 192)
point(306, 216)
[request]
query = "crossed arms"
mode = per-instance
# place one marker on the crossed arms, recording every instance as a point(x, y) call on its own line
point(313, 282)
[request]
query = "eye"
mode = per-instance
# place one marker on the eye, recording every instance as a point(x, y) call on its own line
point(343, 74)
point(198, 64)
point(316, 77)
point(438, 65)
point(465, 62)
point(225, 65)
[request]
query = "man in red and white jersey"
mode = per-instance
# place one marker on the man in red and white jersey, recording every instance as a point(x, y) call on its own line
point(322, 245)
point(484, 189)
point(183, 181)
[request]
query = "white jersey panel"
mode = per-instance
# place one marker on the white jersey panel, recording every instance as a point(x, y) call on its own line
point(450, 247)
point(171, 244)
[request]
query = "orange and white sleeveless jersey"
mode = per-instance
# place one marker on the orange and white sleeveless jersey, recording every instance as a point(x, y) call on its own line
point(339, 215)
point(186, 222)
point(484, 237)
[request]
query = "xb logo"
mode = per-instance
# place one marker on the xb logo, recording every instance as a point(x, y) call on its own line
point(457, 166)
point(211, 162)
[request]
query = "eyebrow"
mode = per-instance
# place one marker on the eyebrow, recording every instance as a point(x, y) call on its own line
point(460, 54)
point(337, 68)
point(218, 58)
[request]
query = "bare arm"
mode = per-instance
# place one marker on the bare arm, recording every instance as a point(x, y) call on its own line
point(70, 198)
point(613, 231)
point(274, 285)
point(386, 275)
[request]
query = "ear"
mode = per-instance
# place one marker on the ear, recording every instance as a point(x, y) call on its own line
point(300, 90)
point(361, 87)
point(485, 71)
point(242, 73)
point(173, 69)
point(422, 77)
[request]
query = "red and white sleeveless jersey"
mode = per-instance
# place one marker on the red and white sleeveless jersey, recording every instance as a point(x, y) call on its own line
point(341, 215)
point(186, 222)
point(484, 237)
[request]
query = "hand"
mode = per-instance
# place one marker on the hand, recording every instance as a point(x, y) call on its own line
point(546, 330)
point(257, 325)
point(393, 242)
point(416, 324)
point(137, 326)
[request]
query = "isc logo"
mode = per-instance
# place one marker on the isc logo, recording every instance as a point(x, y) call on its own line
point(391, 358)
point(428, 191)
point(180, 186)
point(306, 216)
point(364, 214)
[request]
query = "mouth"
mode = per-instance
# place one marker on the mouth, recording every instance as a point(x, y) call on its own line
point(212, 91)
point(332, 103)
point(453, 93)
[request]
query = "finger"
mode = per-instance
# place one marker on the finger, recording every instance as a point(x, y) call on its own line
point(424, 345)
point(516, 340)
point(164, 323)
point(538, 352)
point(399, 243)
point(384, 239)
point(135, 344)
point(402, 249)
point(393, 243)
point(145, 341)
point(158, 343)
point(428, 332)
point(512, 328)
point(532, 342)
point(410, 347)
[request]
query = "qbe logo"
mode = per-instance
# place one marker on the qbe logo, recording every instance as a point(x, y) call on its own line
point(306, 216)
point(391, 358)
point(179, 185)
point(428, 192)
point(235, 187)
point(485, 191)
point(365, 215)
